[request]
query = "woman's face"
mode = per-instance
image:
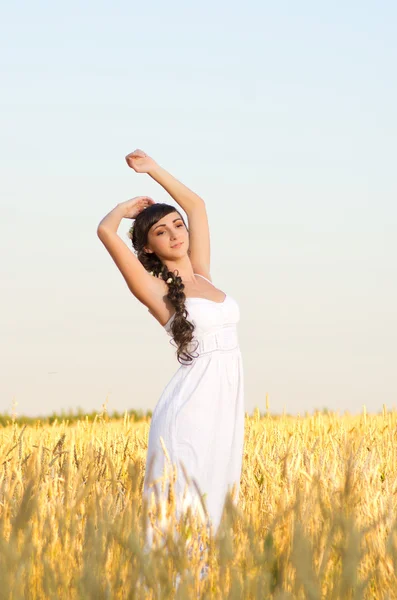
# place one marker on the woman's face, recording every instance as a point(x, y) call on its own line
point(168, 232)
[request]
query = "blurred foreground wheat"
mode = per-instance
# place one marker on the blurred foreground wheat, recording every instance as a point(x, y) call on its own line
point(316, 516)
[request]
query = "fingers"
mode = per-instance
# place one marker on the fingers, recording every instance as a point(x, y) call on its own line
point(138, 153)
point(146, 201)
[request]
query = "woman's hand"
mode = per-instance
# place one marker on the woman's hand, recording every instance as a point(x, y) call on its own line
point(132, 208)
point(140, 162)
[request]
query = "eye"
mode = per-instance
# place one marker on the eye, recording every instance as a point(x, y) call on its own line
point(181, 225)
point(160, 233)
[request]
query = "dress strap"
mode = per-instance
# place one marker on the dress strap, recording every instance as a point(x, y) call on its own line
point(204, 278)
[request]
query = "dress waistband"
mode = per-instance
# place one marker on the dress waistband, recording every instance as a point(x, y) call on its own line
point(224, 338)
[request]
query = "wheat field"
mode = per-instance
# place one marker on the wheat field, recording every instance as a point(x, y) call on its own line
point(316, 516)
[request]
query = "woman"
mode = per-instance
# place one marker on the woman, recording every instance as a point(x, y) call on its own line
point(199, 418)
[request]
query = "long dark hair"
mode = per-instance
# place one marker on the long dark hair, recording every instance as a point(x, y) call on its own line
point(181, 328)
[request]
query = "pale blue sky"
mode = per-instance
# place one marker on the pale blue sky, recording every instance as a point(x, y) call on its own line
point(280, 115)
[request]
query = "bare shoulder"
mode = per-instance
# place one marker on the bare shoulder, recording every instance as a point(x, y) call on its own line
point(200, 270)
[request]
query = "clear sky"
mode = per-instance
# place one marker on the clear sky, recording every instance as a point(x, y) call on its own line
point(282, 116)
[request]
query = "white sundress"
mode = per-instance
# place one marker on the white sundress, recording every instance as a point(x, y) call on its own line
point(200, 414)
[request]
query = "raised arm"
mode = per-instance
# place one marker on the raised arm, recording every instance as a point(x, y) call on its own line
point(189, 201)
point(145, 287)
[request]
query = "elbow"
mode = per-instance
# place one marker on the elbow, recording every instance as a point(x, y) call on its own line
point(101, 230)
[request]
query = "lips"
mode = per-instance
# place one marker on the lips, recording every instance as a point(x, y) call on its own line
point(177, 245)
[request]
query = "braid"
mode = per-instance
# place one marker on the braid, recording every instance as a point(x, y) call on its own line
point(182, 329)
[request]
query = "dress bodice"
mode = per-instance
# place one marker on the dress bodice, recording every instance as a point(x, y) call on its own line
point(208, 315)
point(215, 325)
